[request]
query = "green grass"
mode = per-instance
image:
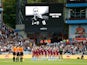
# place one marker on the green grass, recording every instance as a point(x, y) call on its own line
point(44, 62)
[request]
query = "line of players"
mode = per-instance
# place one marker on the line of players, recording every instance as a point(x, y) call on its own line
point(47, 52)
point(17, 53)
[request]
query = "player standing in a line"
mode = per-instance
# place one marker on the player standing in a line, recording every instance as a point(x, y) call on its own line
point(17, 54)
point(14, 53)
point(21, 53)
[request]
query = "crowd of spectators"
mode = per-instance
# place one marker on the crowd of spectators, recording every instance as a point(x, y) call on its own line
point(72, 48)
point(75, 47)
point(8, 38)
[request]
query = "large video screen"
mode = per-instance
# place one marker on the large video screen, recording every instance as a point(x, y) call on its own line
point(44, 17)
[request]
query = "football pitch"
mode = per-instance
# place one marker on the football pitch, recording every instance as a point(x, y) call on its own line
point(44, 62)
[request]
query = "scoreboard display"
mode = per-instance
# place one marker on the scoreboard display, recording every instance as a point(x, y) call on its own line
point(44, 17)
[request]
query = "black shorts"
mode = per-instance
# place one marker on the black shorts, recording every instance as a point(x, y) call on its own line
point(21, 53)
point(60, 52)
point(18, 54)
point(14, 53)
